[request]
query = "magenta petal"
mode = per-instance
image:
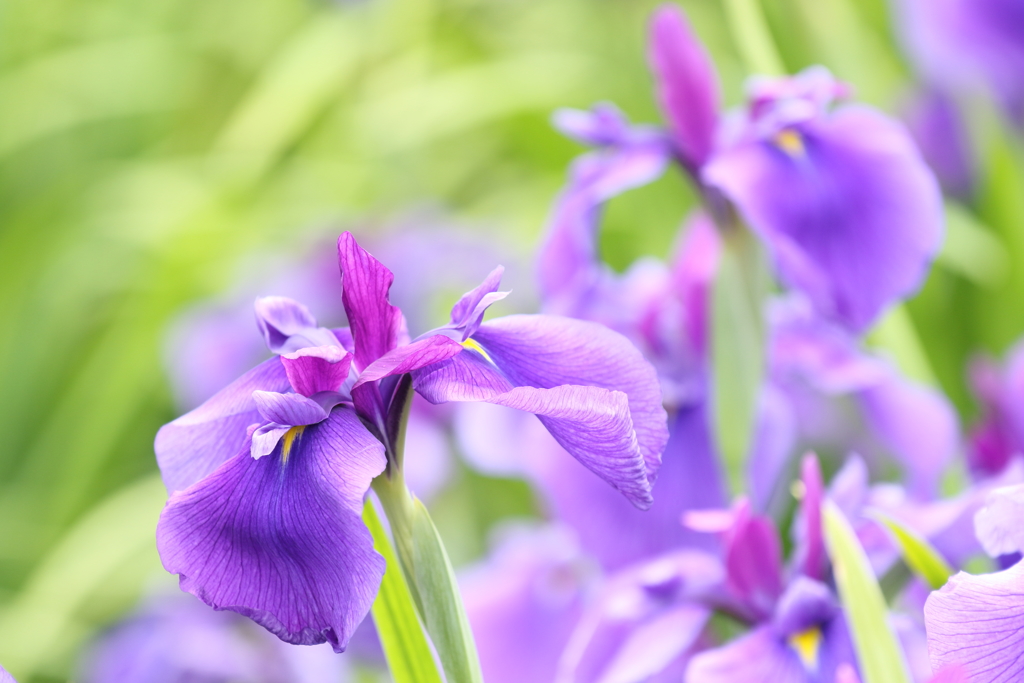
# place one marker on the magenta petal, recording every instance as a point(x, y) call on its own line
point(315, 369)
point(281, 539)
point(545, 351)
point(686, 81)
point(853, 216)
point(753, 561)
point(810, 549)
point(374, 322)
point(978, 622)
point(410, 357)
point(195, 444)
point(288, 409)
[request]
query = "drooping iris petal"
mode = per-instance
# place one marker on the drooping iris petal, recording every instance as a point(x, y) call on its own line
point(686, 83)
point(195, 444)
point(998, 524)
point(850, 213)
point(590, 387)
point(547, 351)
point(374, 322)
point(978, 622)
point(281, 539)
point(318, 368)
point(288, 326)
point(523, 602)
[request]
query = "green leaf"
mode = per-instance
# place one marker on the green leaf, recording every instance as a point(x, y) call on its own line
point(919, 555)
point(443, 611)
point(394, 614)
point(879, 654)
point(737, 343)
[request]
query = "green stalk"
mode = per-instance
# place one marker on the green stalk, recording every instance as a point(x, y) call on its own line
point(752, 37)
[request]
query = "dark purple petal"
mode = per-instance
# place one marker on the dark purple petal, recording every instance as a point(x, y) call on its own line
point(998, 524)
point(523, 601)
point(758, 656)
point(410, 357)
point(195, 444)
point(318, 368)
point(281, 539)
point(374, 322)
point(686, 83)
point(805, 604)
point(288, 409)
point(753, 560)
point(288, 326)
point(810, 549)
point(547, 351)
point(468, 312)
point(978, 622)
point(850, 213)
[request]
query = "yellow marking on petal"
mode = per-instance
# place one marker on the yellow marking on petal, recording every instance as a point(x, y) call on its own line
point(288, 440)
point(475, 346)
point(807, 643)
point(790, 142)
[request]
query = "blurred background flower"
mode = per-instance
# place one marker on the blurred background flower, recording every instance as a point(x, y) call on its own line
point(161, 165)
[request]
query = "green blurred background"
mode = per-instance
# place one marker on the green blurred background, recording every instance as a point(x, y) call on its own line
point(147, 149)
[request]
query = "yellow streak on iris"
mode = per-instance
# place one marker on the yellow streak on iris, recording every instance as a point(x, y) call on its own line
point(790, 142)
point(288, 440)
point(806, 643)
point(475, 346)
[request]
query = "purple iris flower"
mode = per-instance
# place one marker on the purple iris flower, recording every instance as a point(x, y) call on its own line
point(176, 638)
point(849, 212)
point(958, 44)
point(798, 629)
point(268, 477)
point(1000, 434)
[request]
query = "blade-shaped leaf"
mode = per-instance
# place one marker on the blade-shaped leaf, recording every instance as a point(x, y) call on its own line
point(920, 556)
point(394, 614)
point(737, 348)
point(879, 654)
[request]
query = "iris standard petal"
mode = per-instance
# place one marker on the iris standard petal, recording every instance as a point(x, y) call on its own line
point(195, 444)
point(850, 213)
point(318, 368)
point(281, 539)
point(365, 281)
point(686, 83)
point(978, 622)
point(546, 351)
point(288, 326)
point(468, 312)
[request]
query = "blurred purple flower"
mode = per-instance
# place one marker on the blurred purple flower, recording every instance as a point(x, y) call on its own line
point(268, 476)
point(939, 131)
point(6, 677)
point(958, 44)
point(524, 600)
point(175, 639)
point(849, 211)
point(1000, 434)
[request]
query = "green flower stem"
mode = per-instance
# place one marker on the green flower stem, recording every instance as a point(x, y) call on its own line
point(752, 37)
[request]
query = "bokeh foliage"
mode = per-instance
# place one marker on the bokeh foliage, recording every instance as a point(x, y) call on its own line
point(148, 149)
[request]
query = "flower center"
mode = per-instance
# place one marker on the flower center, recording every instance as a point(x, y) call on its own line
point(288, 440)
point(790, 142)
point(807, 643)
point(473, 345)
